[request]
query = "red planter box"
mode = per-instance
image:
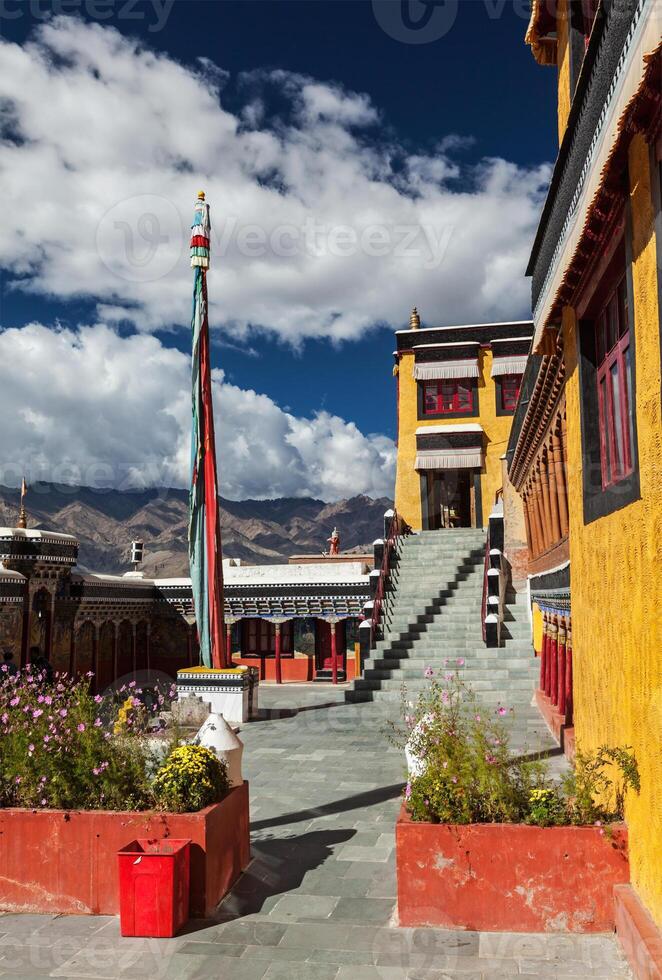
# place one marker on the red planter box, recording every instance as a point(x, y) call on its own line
point(508, 877)
point(66, 860)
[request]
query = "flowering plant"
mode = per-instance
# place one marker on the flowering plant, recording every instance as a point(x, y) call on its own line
point(462, 770)
point(56, 750)
point(191, 778)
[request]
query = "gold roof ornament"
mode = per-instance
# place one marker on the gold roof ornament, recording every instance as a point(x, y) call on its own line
point(414, 320)
point(22, 516)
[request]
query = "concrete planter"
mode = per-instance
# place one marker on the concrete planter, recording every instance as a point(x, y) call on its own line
point(508, 877)
point(65, 861)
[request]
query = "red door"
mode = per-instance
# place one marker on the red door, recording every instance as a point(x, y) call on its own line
point(323, 645)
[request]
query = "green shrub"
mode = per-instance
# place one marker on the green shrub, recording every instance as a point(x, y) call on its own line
point(191, 778)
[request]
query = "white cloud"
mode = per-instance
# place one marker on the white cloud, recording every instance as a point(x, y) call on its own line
point(92, 407)
point(323, 224)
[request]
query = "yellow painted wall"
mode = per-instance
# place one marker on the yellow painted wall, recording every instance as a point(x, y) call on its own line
point(496, 428)
point(617, 570)
point(563, 65)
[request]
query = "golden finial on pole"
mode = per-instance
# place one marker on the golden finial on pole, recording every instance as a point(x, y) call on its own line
point(414, 320)
point(22, 516)
point(201, 195)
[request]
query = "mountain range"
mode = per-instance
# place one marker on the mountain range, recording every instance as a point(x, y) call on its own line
point(259, 532)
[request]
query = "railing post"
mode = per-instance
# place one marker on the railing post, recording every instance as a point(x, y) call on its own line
point(365, 630)
point(388, 521)
point(374, 582)
point(378, 552)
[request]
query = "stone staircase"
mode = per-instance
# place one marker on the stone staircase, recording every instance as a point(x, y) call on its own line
point(432, 614)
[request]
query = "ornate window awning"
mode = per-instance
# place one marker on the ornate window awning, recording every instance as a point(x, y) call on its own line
point(448, 360)
point(465, 368)
point(449, 447)
point(514, 364)
point(449, 459)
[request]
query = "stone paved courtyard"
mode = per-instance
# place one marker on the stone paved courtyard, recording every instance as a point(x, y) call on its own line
point(317, 902)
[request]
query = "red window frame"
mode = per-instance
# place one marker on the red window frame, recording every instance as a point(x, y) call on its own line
point(259, 638)
point(614, 381)
point(450, 396)
point(510, 389)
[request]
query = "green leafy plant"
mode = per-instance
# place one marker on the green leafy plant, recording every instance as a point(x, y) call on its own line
point(596, 787)
point(191, 778)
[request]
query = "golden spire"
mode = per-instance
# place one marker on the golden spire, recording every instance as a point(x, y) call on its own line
point(414, 320)
point(201, 195)
point(22, 516)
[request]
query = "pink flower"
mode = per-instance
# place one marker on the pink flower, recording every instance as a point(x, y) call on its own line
point(48, 699)
point(31, 748)
point(47, 738)
point(428, 671)
point(81, 727)
point(132, 683)
point(97, 722)
point(460, 662)
point(5, 718)
point(63, 712)
point(477, 717)
point(18, 780)
point(502, 711)
point(408, 791)
point(453, 779)
point(98, 699)
point(44, 802)
point(36, 713)
point(14, 701)
point(90, 673)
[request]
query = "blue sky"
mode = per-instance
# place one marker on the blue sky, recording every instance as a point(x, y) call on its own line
point(308, 112)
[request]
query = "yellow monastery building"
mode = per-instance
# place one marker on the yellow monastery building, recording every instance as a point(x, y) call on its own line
point(585, 453)
point(457, 391)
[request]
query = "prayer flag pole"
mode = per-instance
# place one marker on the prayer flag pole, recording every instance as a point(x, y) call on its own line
point(205, 555)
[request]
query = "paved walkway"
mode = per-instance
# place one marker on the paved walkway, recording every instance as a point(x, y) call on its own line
point(318, 899)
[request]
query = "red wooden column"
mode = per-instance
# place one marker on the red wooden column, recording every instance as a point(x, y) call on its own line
point(277, 653)
point(548, 656)
point(189, 644)
point(569, 700)
point(148, 638)
point(560, 697)
point(543, 655)
point(228, 643)
point(554, 680)
point(334, 652)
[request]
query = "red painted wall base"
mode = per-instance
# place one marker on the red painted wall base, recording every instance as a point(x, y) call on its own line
point(65, 861)
point(555, 721)
point(639, 936)
point(508, 877)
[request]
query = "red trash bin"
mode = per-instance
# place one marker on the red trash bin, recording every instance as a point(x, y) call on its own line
point(154, 887)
